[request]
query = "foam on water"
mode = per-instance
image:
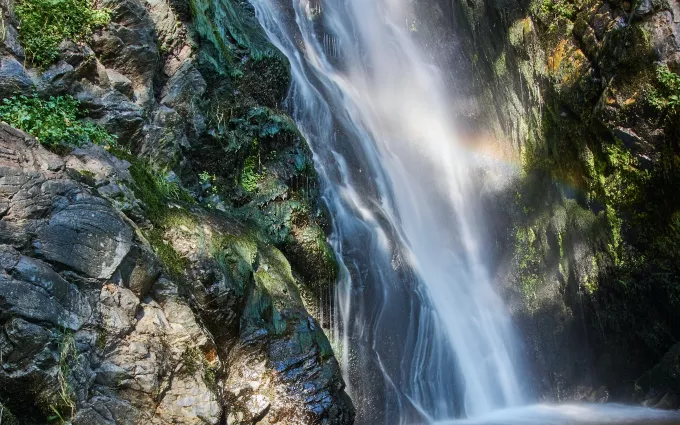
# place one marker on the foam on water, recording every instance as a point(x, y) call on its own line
point(574, 414)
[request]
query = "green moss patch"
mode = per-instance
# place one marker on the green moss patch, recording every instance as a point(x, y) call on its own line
point(157, 191)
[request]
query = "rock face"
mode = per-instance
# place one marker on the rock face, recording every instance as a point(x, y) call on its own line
point(150, 283)
point(580, 94)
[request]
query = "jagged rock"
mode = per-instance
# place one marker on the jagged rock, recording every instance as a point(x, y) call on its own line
point(87, 305)
point(36, 292)
point(121, 83)
point(166, 138)
point(13, 78)
point(128, 46)
point(113, 110)
point(86, 235)
point(190, 402)
point(139, 270)
point(57, 80)
point(10, 40)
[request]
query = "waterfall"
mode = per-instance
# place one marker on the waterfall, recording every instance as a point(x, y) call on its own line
point(424, 336)
point(421, 334)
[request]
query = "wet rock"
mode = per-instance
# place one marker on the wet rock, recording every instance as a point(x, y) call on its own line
point(86, 302)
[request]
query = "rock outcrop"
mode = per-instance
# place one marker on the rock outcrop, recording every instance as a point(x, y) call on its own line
point(580, 94)
point(167, 279)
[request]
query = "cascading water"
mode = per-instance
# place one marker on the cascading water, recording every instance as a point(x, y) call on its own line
point(420, 318)
point(423, 337)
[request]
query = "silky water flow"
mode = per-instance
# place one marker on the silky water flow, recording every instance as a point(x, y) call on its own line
point(421, 334)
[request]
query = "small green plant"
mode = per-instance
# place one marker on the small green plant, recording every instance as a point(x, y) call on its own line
point(250, 174)
point(667, 97)
point(169, 188)
point(46, 23)
point(192, 358)
point(68, 354)
point(208, 182)
point(528, 263)
point(54, 122)
point(558, 9)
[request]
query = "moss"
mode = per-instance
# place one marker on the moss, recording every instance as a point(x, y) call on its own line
point(557, 9)
point(6, 416)
point(250, 176)
point(156, 192)
point(500, 67)
point(174, 263)
point(102, 337)
point(236, 257)
point(519, 31)
point(274, 288)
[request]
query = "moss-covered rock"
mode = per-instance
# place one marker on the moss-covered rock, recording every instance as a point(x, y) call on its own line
point(587, 215)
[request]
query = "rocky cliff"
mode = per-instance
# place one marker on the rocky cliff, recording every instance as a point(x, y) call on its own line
point(162, 241)
point(582, 95)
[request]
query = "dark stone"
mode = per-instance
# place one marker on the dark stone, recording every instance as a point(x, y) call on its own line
point(659, 387)
point(139, 270)
point(13, 78)
point(33, 290)
point(85, 235)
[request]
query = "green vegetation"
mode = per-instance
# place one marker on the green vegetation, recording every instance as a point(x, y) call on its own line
point(46, 23)
point(6, 416)
point(558, 8)
point(168, 187)
point(195, 360)
point(54, 122)
point(622, 188)
point(250, 176)
point(192, 358)
point(528, 264)
point(156, 190)
point(500, 66)
point(667, 97)
point(64, 407)
point(208, 182)
point(235, 256)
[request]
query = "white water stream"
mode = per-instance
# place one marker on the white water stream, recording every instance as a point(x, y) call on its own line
point(424, 336)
